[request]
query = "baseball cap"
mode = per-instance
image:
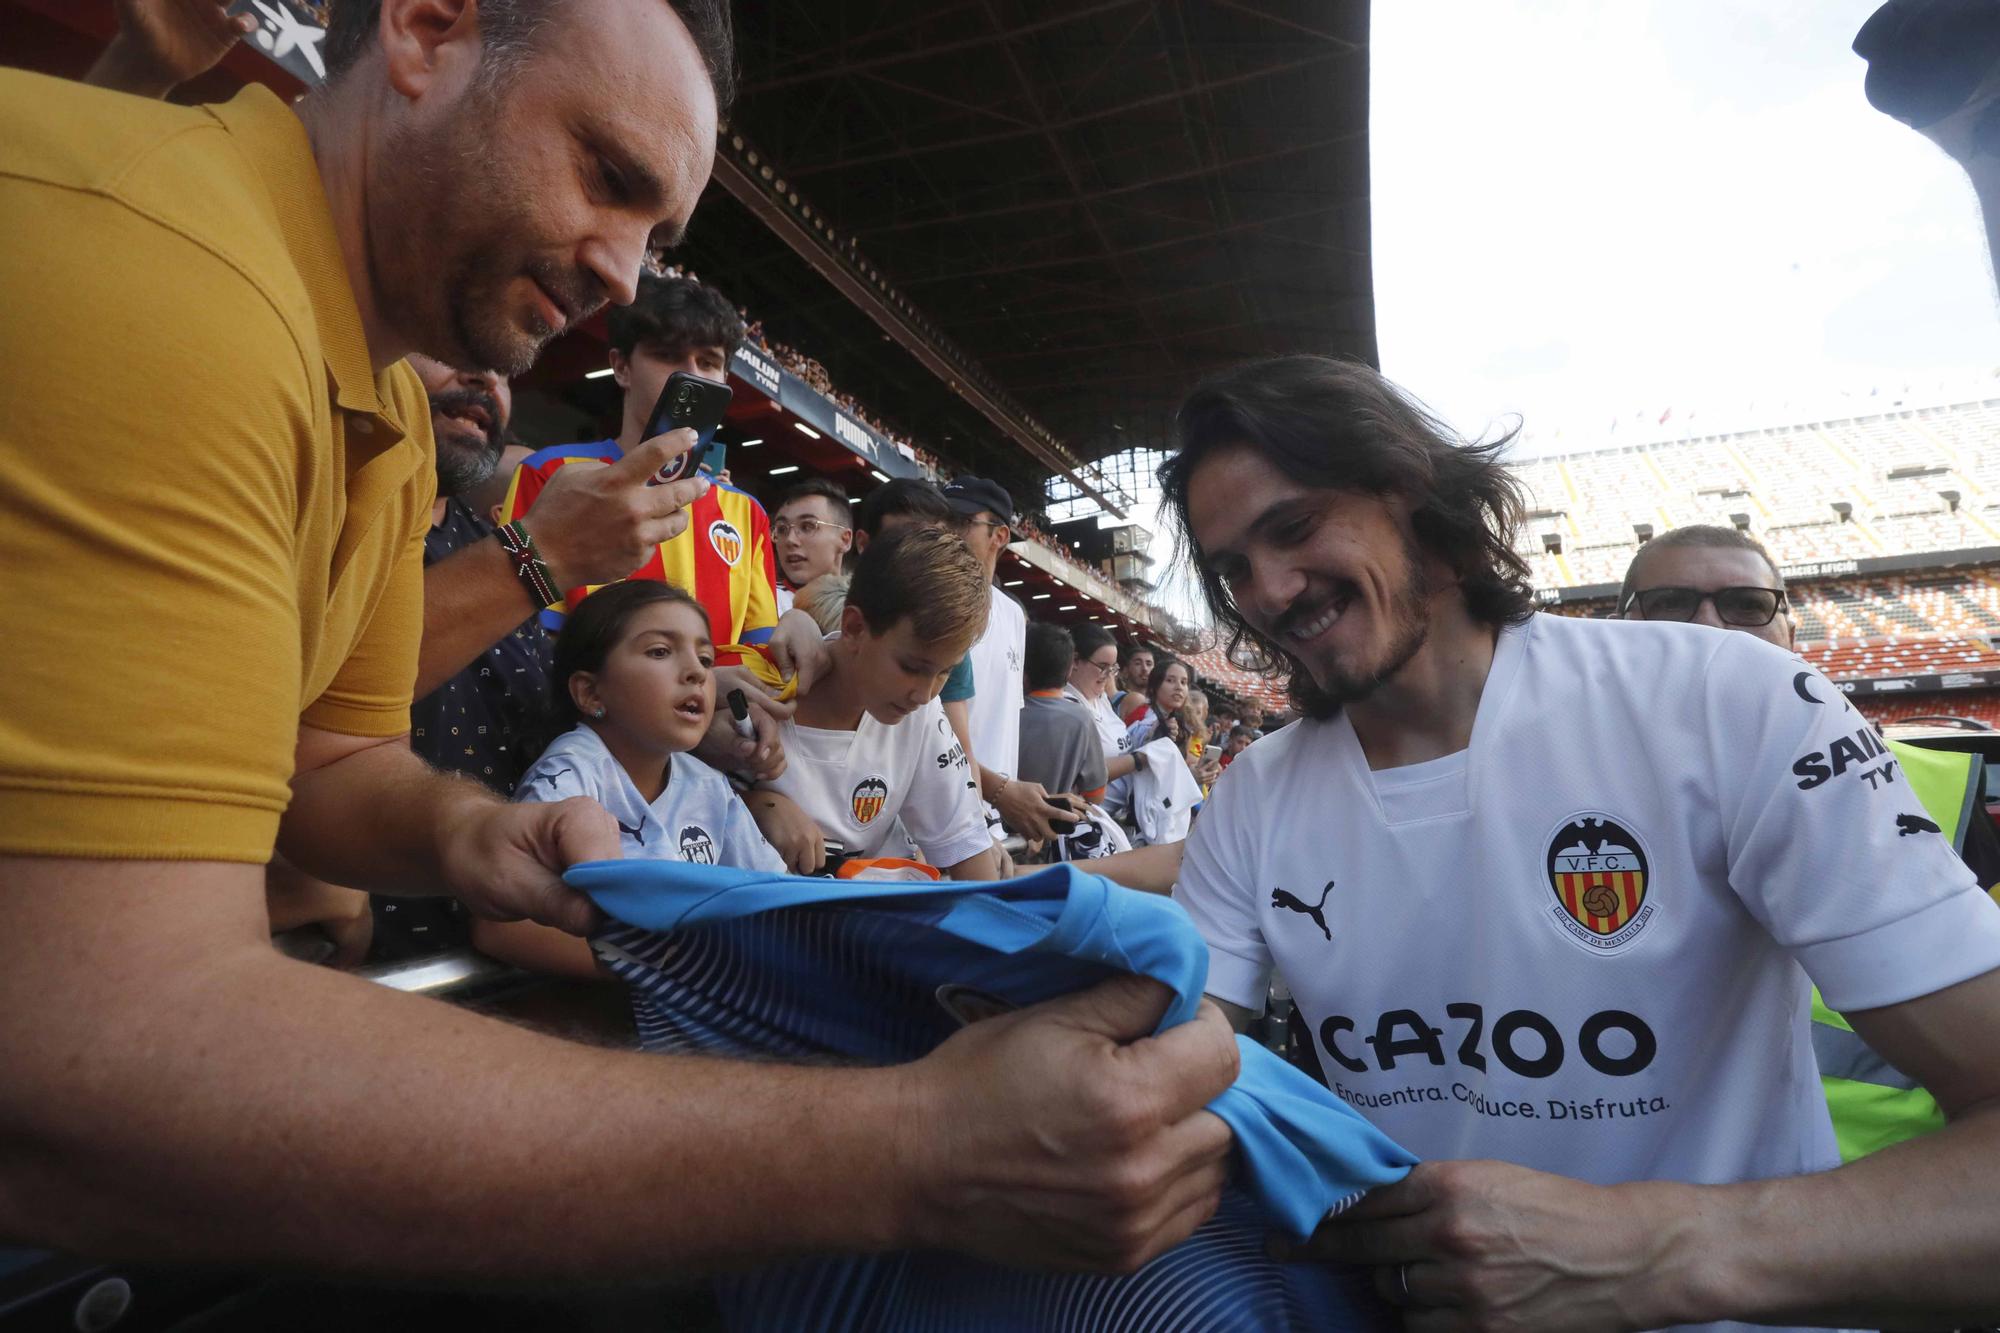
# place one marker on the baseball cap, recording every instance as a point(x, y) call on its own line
point(970, 495)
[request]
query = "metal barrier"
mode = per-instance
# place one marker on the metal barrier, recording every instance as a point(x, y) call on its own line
point(452, 975)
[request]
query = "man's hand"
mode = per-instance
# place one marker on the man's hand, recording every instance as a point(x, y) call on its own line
point(1028, 809)
point(161, 44)
point(1064, 1136)
point(790, 830)
point(505, 862)
point(799, 649)
point(1489, 1245)
point(760, 759)
point(597, 522)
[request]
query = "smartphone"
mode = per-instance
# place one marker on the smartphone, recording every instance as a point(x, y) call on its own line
point(715, 458)
point(691, 402)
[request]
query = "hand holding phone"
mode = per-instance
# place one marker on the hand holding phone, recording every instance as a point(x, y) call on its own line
point(687, 402)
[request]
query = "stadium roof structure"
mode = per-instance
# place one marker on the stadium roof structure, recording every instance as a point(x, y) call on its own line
point(1060, 216)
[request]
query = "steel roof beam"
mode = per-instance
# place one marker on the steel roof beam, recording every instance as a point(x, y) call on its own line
point(961, 379)
point(1070, 122)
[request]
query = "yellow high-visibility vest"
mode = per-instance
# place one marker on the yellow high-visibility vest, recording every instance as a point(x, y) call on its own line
point(1873, 1103)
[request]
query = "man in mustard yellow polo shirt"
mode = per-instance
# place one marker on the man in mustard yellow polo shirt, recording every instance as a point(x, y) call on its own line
point(217, 477)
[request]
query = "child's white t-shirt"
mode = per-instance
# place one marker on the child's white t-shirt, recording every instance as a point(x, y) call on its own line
point(856, 784)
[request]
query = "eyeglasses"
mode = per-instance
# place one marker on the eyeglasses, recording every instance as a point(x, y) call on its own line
point(1104, 669)
point(805, 527)
point(1745, 607)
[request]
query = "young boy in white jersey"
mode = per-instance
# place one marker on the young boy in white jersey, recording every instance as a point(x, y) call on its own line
point(633, 675)
point(1548, 892)
point(871, 742)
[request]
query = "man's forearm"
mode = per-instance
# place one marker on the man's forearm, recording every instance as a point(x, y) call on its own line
point(401, 802)
point(471, 601)
point(221, 1104)
point(990, 782)
point(1905, 1237)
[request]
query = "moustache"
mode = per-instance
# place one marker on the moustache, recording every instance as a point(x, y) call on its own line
point(454, 402)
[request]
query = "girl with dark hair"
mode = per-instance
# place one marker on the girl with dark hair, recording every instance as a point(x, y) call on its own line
point(1167, 690)
point(633, 680)
point(1166, 694)
point(633, 676)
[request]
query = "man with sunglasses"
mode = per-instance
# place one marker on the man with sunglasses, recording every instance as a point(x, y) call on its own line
point(1711, 576)
point(1726, 579)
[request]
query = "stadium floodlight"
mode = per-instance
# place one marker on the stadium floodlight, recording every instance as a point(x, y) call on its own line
point(1013, 583)
point(781, 471)
point(805, 430)
point(597, 374)
point(1041, 597)
point(1070, 607)
point(751, 443)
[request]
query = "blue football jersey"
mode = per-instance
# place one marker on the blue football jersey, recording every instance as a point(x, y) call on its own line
point(731, 961)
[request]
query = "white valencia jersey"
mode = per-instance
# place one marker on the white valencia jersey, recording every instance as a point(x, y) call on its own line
point(860, 785)
point(698, 818)
point(1577, 944)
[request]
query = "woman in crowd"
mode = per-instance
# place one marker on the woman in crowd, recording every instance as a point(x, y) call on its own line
point(1166, 693)
point(633, 681)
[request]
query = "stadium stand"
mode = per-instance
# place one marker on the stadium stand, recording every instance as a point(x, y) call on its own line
point(1894, 483)
point(1904, 506)
point(1981, 706)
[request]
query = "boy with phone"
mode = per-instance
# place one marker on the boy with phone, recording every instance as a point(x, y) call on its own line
point(670, 354)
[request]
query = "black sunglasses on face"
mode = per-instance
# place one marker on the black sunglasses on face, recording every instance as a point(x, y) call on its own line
point(1745, 607)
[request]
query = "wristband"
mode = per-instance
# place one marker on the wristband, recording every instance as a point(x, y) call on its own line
point(528, 567)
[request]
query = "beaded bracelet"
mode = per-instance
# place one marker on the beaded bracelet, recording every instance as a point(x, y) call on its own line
point(528, 566)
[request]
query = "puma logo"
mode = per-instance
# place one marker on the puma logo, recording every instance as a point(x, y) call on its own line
point(1291, 903)
point(636, 834)
point(1906, 825)
point(550, 778)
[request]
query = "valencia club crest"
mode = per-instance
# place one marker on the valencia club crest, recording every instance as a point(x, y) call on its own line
point(696, 846)
point(869, 794)
point(727, 541)
point(1597, 872)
